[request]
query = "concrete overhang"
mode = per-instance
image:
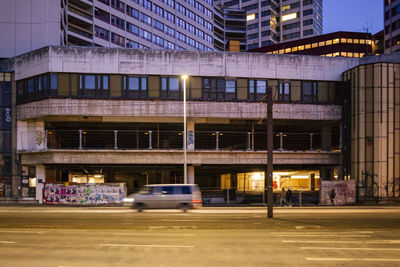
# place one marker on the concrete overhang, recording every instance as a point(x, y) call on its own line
point(176, 157)
point(134, 110)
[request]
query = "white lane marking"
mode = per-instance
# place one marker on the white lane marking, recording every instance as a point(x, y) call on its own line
point(22, 232)
point(307, 227)
point(345, 242)
point(7, 242)
point(351, 259)
point(146, 246)
point(323, 232)
point(335, 248)
point(322, 235)
point(133, 234)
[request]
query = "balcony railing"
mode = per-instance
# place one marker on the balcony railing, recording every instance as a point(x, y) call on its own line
point(82, 139)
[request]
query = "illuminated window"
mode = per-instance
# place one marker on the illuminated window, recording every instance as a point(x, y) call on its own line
point(288, 50)
point(356, 55)
point(350, 41)
point(329, 42)
point(301, 47)
point(321, 44)
point(362, 54)
point(356, 41)
point(336, 41)
point(276, 52)
point(336, 54)
point(294, 49)
point(362, 41)
point(251, 17)
point(281, 51)
point(307, 46)
point(287, 7)
point(343, 54)
point(314, 45)
point(329, 55)
point(269, 53)
point(343, 40)
point(350, 54)
point(369, 42)
point(289, 16)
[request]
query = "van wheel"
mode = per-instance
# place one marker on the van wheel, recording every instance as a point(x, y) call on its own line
point(139, 207)
point(184, 207)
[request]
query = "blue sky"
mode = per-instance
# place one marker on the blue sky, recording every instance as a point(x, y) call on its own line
point(353, 15)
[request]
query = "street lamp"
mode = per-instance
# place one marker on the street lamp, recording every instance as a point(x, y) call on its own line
point(184, 77)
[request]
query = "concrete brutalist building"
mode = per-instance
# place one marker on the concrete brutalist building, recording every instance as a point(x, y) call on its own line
point(102, 115)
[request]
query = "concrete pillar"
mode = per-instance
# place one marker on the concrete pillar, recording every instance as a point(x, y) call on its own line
point(40, 179)
point(190, 136)
point(191, 174)
point(326, 138)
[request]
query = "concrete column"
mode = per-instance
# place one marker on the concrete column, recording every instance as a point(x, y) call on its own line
point(326, 138)
point(191, 174)
point(40, 179)
point(190, 136)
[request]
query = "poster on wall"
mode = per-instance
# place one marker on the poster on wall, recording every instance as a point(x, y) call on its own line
point(84, 194)
point(338, 193)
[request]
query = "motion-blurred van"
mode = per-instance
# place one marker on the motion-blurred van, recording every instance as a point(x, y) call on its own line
point(168, 196)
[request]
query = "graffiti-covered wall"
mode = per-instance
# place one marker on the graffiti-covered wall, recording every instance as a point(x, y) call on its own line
point(84, 194)
point(338, 192)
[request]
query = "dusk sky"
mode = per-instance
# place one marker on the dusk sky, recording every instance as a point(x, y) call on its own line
point(353, 15)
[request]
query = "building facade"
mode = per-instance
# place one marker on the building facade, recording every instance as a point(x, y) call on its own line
point(337, 44)
point(100, 115)
point(182, 25)
point(392, 25)
point(270, 22)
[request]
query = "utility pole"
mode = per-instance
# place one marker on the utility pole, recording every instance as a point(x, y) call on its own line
point(270, 148)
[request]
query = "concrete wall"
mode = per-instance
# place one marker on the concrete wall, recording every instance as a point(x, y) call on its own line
point(131, 110)
point(161, 62)
point(26, 25)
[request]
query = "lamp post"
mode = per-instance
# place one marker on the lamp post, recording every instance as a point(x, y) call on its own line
point(184, 77)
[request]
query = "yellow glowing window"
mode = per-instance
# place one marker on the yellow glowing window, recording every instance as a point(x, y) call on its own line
point(301, 47)
point(336, 41)
point(294, 49)
point(288, 50)
point(350, 54)
point(289, 16)
point(329, 55)
point(314, 45)
point(336, 54)
point(343, 54)
point(276, 52)
point(269, 53)
point(251, 17)
point(362, 41)
point(350, 41)
point(287, 7)
point(281, 51)
point(321, 44)
point(343, 40)
point(362, 54)
point(369, 42)
point(308, 46)
point(329, 42)
point(356, 41)
point(356, 55)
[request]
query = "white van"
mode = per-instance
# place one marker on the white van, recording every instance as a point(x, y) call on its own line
point(168, 196)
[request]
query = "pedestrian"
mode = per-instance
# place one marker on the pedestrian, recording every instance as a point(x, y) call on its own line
point(283, 198)
point(289, 197)
point(332, 196)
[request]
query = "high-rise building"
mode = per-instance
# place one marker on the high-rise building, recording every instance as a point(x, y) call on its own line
point(170, 24)
point(392, 25)
point(270, 22)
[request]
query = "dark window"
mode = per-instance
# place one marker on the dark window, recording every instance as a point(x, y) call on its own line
point(186, 190)
point(219, 89)
point(94, 86)
point(168, 190)
point(309, 92)
point(284, 92)
point(170, 88)
point(102, 15)
point(135, 87)
point(257, 90)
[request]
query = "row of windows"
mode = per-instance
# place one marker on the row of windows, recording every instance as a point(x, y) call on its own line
point(321, 44)
point(120, 23)
point(170, 87)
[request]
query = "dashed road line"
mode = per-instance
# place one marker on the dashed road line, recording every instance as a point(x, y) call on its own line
point(336, 248)
point(352, 259)
point(145, 246)
point(7, 242)
point(343, 242)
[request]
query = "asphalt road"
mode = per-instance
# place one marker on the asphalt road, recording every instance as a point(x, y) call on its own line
point(56, 236)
